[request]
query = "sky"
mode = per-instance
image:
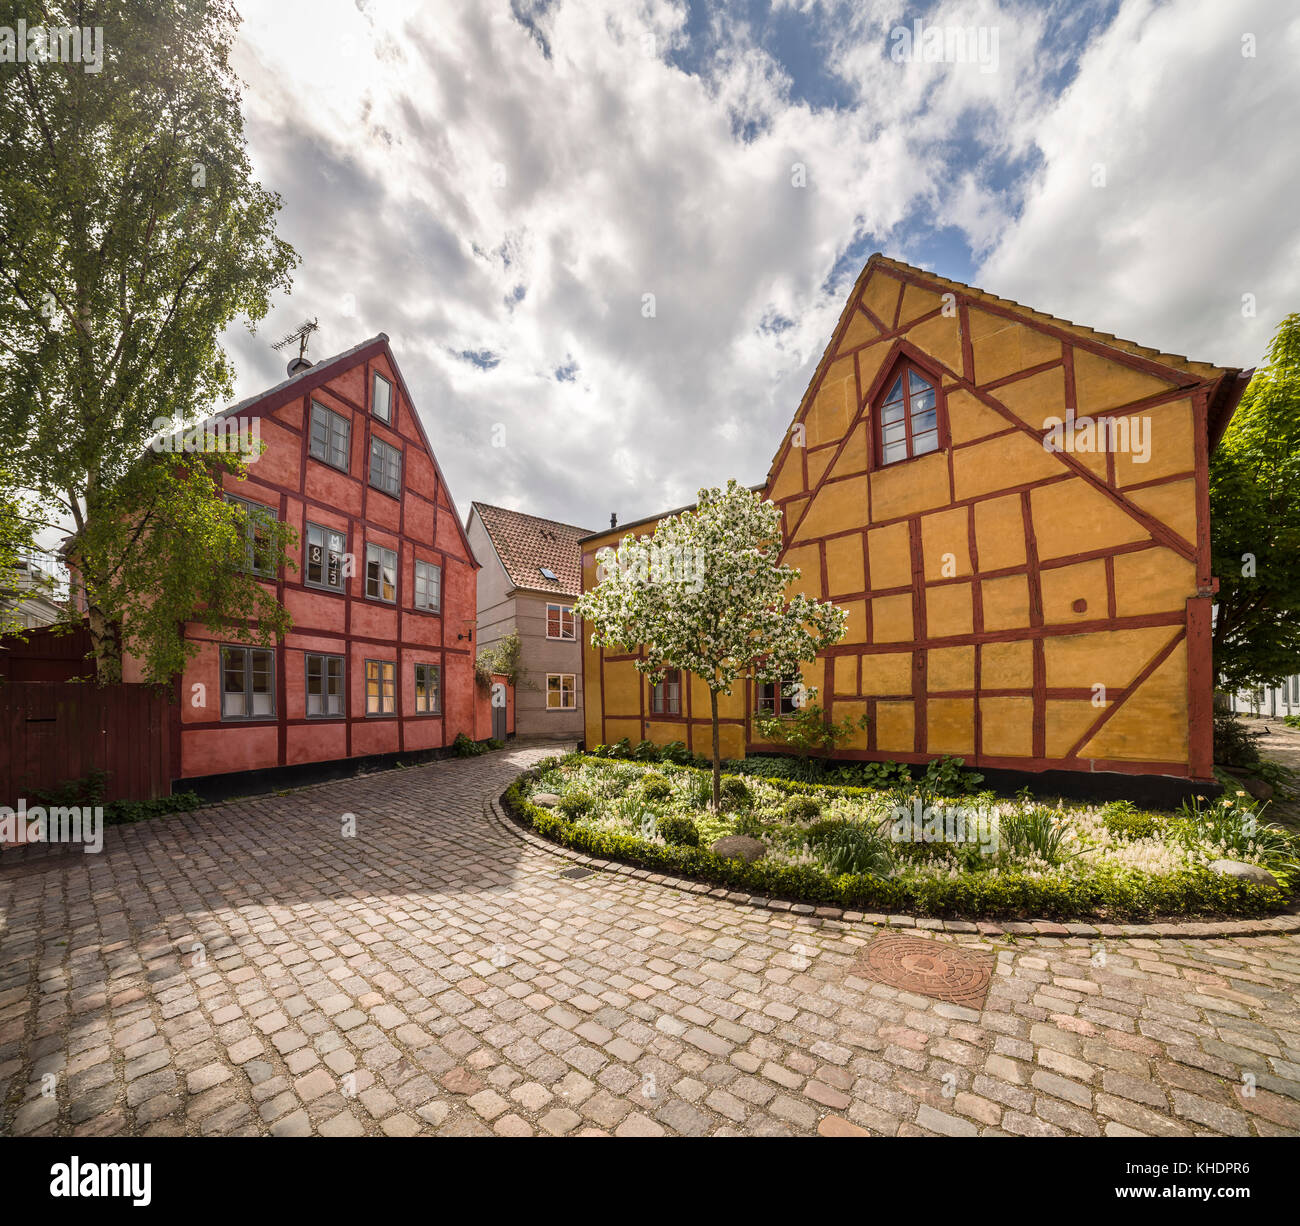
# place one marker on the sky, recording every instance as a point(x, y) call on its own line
point(609, 240)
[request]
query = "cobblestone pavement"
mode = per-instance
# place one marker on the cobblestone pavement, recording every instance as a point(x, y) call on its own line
point(248, 969)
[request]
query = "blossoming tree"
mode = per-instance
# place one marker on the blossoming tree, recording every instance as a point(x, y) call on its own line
point(707, 595)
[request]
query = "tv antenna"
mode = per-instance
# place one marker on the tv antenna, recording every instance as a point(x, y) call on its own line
point(301, 334)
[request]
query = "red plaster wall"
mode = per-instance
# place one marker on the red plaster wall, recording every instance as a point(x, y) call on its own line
point(421, 524)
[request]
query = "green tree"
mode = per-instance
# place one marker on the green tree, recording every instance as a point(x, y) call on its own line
point(16, 539)
point(132, 233)
point(1255, 524)
point(707, 595)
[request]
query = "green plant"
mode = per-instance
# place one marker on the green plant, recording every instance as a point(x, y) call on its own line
point(1039, 833)
point(127, 812)
point(1235, 744)
point(1126, 821)
point(1232, 822)
point(1291, 721)
point(678, 830)
point(646, 751)
point(945, 777)
point(656, 787)
point(576, 805)
point(851, 847)
point(801, 809)
point(735, 794)
point(675, 752)
point(86, 791)
point(808, 730)
point(1114, 893)
point(503, 658)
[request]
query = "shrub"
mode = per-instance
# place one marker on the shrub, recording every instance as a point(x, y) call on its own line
point(646, 751)
point(656, 787)
point(678, 830)
point(675, 752)
point(576, 805)
point(1126, 821)
point(1234, 743)
point(1115, 893)
point(1291, 721)
point(735, 794)
point(463, 747)
point(801, 809)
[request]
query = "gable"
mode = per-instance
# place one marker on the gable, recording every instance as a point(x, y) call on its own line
point(1007, 374)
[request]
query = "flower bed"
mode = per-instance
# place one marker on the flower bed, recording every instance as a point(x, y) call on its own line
point(909, 850)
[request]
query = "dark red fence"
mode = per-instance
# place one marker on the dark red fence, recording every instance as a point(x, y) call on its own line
point(55, 732)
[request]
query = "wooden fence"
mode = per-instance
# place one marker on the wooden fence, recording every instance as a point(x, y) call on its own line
point(56, 732)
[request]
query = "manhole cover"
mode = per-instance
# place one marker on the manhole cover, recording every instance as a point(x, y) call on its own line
point(946, 972)
point(577, 873)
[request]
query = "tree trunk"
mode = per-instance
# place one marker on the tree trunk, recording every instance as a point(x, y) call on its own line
point(717, 758)
point(105, 647)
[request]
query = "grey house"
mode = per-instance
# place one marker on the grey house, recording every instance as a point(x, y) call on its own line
point(531, 575)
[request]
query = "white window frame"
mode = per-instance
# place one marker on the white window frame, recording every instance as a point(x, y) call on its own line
point(384, 553)
point(248, 694)
point(562, 609)
point(433, 671)
point(387, 416)
point(390, 467)
point(324, 584)
point(428, 579)
point(387, 675)
point(561, 691)
point(327, 676)
point(336, 424)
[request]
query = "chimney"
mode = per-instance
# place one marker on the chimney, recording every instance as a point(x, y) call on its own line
point(613, 519)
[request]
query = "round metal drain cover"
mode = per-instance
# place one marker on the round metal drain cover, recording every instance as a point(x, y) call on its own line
point(932, 968)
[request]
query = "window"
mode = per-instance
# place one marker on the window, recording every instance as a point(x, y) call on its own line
point(329, 436)
point(428, 695)
point(381, 687)
point(548, 574)
point(381, 399)
point(257, 554)
point(381, 574)
point(428, 586)
point(908, 417)
point(325, 686)
point(247, 683)
point(778, 697)
point(559, 622)
point(561, 692)
point(324, 567)
point(667, 696)
point(385, 467)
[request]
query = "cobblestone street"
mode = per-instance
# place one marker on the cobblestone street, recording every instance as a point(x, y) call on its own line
point(250, 969)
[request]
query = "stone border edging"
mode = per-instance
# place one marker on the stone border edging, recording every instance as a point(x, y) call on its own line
point(1287, 922)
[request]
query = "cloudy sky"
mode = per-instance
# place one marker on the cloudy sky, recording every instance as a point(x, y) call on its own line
point(499, 184)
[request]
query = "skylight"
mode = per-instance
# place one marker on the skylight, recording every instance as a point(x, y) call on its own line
point(548, 573)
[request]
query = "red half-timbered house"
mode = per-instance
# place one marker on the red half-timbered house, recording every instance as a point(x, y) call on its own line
point(380, 657)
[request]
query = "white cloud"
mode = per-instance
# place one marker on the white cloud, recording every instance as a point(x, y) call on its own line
point(434, 161)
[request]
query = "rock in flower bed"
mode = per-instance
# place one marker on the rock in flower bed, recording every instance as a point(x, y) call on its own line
point(913, 851)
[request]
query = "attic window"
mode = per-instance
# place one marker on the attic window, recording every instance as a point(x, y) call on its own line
point(909, 416)
point(548, 573)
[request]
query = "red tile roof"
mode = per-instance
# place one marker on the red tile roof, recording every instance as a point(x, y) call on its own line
point(526, 543)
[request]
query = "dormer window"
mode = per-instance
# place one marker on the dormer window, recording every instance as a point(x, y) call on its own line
point(908, 416)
